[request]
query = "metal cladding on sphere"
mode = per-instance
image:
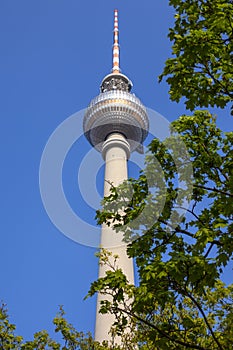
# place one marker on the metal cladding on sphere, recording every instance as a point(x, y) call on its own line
point(115, 109)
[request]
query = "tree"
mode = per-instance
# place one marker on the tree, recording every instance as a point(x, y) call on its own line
point(201, 66)
point(71, 338)
point(180, 301)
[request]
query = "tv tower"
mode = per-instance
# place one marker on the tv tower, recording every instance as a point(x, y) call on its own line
point(116, 124)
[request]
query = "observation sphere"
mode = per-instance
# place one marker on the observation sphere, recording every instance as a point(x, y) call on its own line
point(116, 110)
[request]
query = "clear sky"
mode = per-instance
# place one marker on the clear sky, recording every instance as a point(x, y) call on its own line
point(54, 55)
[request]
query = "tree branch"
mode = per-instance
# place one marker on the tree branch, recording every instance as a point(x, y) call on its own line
point(213, 189)
point(205, 318)
point(208, 251)
point(161, 332)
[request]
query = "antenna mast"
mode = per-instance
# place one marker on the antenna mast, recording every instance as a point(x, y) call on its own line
point(116, 49)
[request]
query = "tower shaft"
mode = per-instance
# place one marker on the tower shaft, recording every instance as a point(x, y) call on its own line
point(116, 151)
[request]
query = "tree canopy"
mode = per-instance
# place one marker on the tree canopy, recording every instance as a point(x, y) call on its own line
point(180, 299)
point(71, 339)
point(200, 69)
point(177, 217)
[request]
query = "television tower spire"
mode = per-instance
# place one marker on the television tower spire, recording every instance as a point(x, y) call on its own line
point(116, 49)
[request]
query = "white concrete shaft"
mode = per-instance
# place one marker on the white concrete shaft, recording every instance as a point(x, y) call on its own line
point(116, 151)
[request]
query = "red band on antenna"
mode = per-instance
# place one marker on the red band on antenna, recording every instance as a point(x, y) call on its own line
point(116, 51)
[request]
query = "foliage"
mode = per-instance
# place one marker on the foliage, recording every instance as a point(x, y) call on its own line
point(201, 67)
point(180, 300)
point(72, 339)
point(8, 340)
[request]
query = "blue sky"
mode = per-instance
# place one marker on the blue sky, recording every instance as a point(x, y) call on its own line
point(54, 54)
